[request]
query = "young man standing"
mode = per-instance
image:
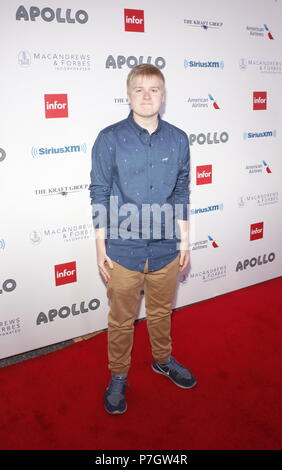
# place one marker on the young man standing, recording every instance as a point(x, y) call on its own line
point(141, 165)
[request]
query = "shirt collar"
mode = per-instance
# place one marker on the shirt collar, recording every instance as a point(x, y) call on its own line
point(140, 130)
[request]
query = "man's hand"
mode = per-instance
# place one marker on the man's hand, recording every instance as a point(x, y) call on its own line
point(183, 245)
point(183, 259)
point(102, 257)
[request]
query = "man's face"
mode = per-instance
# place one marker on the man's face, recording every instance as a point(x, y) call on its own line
point(146, 94)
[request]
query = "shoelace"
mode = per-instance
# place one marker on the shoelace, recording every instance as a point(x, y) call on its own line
point(174, 365)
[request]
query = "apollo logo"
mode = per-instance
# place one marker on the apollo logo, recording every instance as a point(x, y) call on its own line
point(204, 174)
point(209, 138)
point(259, 100)
point(255, 261)
point(66, 311)
point(8, 286)
point(134, 20)
point(256, 231)
point(132, 61)
point(48, 14)
point(56, 106)
point(65, 273)
point(2, 155)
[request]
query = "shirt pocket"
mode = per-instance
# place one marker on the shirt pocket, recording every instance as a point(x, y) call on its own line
point(168, 170)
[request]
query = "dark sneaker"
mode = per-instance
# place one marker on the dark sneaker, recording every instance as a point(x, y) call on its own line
point(114, 399)
point(176, 372)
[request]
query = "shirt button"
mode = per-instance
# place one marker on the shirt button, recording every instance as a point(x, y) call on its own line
point(151, 186)
point(151, 165)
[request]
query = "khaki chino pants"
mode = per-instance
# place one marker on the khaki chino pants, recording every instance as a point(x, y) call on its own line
point(123, 291)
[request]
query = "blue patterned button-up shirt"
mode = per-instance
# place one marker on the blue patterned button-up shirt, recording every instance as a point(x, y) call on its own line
point(139, 188)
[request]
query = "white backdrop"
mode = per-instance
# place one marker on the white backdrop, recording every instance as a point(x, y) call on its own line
point(218, 58)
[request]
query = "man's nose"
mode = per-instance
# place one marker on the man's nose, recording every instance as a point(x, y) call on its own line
point(146, 95)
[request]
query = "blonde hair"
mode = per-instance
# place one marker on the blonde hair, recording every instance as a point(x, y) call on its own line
point(145, 70)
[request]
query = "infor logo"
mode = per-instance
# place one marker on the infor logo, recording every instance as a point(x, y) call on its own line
point(134, 20)
point(65, 273)
point(259, 100)
point(256, 231)
point(56, 106)
point(204, 174)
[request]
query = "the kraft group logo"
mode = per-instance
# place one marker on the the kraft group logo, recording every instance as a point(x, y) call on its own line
point(134, 20)
point(259, 100)
point(256, 231)
point(56, 106)
point(65, 273)
point(61, 190)
point(203, 23)
point(204, 174)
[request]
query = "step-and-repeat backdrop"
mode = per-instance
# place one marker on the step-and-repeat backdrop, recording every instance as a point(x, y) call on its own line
point(64, 65)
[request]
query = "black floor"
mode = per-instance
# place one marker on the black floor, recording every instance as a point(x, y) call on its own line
point(8, 361)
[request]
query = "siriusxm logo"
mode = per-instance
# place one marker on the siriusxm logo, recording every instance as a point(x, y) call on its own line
point(2, 244)
point(255, 135)
point(207, 64)
point(35, 151)
point(202, 210)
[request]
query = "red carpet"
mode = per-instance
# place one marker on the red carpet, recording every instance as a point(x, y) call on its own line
point(233, 345)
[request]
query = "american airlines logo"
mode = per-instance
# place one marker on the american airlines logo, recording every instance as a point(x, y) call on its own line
point(56, 106)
